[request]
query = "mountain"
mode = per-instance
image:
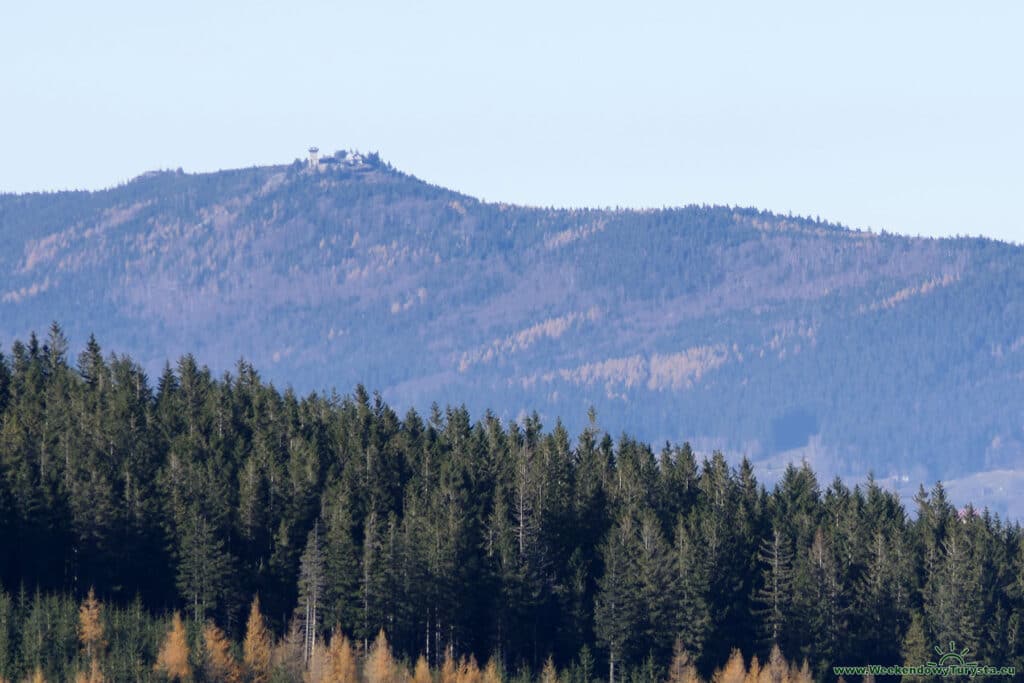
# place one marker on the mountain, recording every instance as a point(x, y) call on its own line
point(772, 336)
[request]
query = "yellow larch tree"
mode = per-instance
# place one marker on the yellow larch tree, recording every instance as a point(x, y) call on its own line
point(803, 675)
point(257, 645)
point(316, 671)
point(90, 626)
point(734, 671)
point(682, 669)
point(218, 662)
point(173, 657)
point(449, 668)
point(549, 674)
point(94, 675)
point(340, 666)
point(380, 665)
point(776, 669)
point(492, 672)
point(37, 676)
point(421, 672)
point(754, 672)
point(469, 671)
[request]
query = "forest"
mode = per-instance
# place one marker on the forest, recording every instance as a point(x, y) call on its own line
point(218, 528)
point(733, 328)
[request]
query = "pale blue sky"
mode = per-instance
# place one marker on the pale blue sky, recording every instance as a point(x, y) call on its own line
point(905, 116)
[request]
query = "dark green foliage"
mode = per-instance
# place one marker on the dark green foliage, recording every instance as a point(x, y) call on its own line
point(481, 537)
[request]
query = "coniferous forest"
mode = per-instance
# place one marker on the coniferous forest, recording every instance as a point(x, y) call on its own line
point(217, 528)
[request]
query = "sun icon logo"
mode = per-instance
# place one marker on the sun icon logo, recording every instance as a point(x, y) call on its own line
point(951, 657)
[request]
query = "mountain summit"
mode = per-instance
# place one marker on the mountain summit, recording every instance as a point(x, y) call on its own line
point(759, 334)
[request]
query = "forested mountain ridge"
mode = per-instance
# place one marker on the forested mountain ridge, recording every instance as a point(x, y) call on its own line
point(765, 335)
point(459, 539)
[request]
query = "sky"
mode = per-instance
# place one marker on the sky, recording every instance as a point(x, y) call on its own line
point(906, 117)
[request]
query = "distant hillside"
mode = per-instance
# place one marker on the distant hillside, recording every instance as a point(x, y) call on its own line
point(766, 335)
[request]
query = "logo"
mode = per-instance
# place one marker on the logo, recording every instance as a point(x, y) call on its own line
point(951, 663)
point(951, 657)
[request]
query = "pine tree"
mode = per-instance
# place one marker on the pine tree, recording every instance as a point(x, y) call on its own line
point(218, 662)
point(256, 649)
point(172, 659)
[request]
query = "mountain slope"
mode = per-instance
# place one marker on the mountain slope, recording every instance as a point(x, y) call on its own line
point(737, 329)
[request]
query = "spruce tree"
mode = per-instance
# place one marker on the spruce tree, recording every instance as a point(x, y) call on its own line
point(615, 611)
point(203, 567)
point(311, 587)
point(775, 594)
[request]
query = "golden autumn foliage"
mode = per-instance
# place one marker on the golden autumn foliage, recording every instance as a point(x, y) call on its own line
point(682, 669)
point(257, 646)
point(777, 669)
point(449, 669)
point(469, 671)
point(94, 675)
point(421, 672)
point(492, 672)
point(340, 666)
point(90, 625)
point(380, 664)
point(754, 672)
point(36, 676)
point(803, 675)
point(173, 657)
point(218, 662)
point(288, 658)
point(734, 671)
point(316, 671)
point(549, 674)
